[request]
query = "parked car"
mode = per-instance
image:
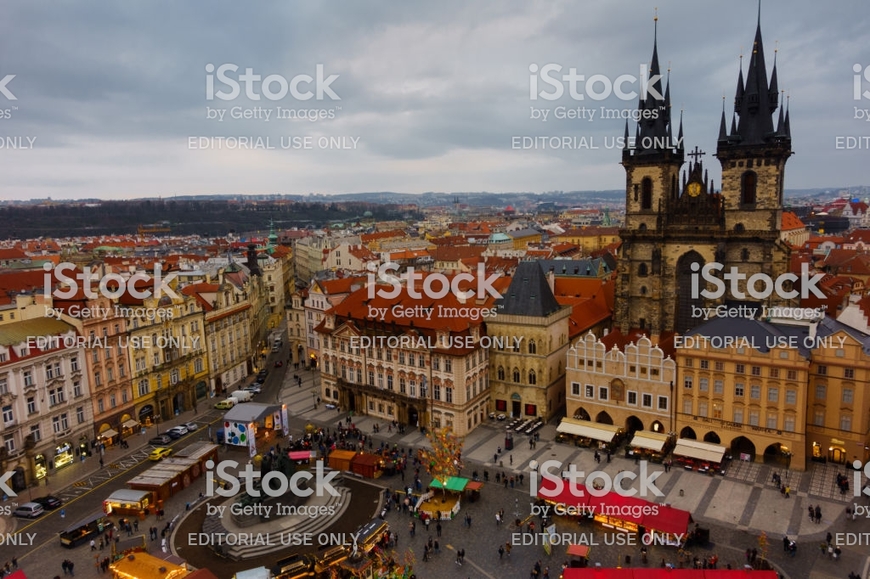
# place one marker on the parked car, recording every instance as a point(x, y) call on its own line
point(191, 426)
point(159, 453)
point(49, 502)
point(160, 440)
point(226, 404)
point(254, 388)
point(262, 374)
point(29, 510)
point(181, 430)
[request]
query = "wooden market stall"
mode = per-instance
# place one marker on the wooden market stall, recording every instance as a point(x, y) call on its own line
point(579, 555)
point(340, 459)
point(367, 465)
point(129, 502)
point(623, 513)
point(84, 530)
point(167, 478)
point(443, 500)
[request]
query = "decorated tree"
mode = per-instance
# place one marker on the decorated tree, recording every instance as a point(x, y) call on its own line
point(444, 460)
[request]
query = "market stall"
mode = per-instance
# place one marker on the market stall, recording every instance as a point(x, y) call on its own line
point(579, 555)
point(168, 478)
point(128, 502)
point(340, 459)
point(367, 465)
point(443, 499)
point(472, 491)
point(85, 530)
point(623, 513)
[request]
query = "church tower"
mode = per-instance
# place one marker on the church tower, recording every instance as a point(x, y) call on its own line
point(677, 223)
point(753, 156)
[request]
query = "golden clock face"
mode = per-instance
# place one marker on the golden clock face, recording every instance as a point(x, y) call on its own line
point(694, 189)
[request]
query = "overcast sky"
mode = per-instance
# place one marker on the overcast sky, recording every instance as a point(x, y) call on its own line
point(431, 96)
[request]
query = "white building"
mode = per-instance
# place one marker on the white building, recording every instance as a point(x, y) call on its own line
point(45, 400)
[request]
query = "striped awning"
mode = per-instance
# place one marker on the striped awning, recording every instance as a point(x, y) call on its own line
point(109, 433)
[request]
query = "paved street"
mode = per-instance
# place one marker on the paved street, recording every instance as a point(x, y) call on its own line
point(735, 507)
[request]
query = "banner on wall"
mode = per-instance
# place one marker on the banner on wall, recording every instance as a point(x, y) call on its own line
point(285, 424)
point(252, 440)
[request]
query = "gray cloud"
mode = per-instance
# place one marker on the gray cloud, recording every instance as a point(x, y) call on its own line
point(435, 92)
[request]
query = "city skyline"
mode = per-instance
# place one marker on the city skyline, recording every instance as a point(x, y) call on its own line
point(114, 102)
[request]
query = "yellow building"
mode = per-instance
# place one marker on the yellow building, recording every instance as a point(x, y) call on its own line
point(530, 333)
point(592, 238)
point(742, 384)
point(838, 403)
point(167, 346)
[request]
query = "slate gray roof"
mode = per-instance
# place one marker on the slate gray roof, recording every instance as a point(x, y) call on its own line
point(529, 293)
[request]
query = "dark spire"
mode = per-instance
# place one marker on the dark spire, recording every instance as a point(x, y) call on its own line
point(780, 124)
point(773, 92)
point(625, 142)
point(723, 128)
point(680, 133)
point(734, 125)
point(756, 112)
point(654, 131)
point(787, 122)
point(738, 96)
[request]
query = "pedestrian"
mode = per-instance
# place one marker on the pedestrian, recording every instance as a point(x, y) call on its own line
point(70, 565)
point(785, 543)
point(512, 458)
point(507, 548)
point(438, 529)
point(93, 545)
point(65, 566)
point(829, 538)
point(500, 551)
point(818, 514)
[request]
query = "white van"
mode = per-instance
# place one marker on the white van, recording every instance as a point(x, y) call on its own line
point(242, 396)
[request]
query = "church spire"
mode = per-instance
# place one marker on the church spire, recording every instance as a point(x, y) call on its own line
point(754, 105)
point(723, 129)
point(654, 134)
